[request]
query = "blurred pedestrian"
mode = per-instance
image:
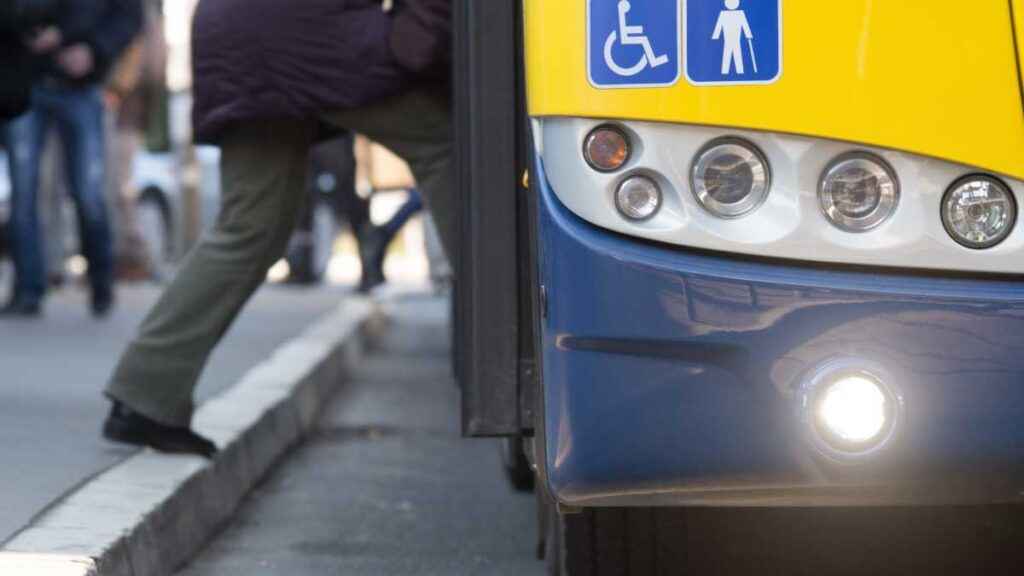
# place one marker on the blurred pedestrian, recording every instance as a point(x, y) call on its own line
point(73, 55)
point(133, 91)
point(267, 74)
point(376, 239)
point(332, 179)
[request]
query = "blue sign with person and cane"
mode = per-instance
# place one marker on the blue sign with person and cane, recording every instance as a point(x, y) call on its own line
point(645, 43)
point(733, 41)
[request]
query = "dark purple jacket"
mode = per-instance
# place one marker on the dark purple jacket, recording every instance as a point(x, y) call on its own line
point(278, 59)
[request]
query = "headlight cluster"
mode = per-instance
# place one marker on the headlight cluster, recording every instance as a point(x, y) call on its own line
point(979, 211)
point(730, 178)
point(858, 191)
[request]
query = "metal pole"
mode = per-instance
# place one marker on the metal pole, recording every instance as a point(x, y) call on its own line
point(753, 56)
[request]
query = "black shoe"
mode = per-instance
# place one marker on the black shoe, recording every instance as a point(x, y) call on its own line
point(129, 427)
point(102, 303)
point(22, 308)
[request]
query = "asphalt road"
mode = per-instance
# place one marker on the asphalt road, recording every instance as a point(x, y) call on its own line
point(52, 371)
point(386, 486)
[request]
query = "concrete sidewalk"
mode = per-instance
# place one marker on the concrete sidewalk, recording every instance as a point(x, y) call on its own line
point(52, 372)
point(386, 485)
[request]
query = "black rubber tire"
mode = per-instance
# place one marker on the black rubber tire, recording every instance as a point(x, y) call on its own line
point(517, 468)
point(616, 542)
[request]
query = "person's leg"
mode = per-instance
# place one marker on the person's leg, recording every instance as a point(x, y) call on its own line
point(23, 138)
point(417, 127)
point(405, 212)
point(263, 172)
point(79, 115)
point(53, 191)
point(354, 209)
point(348, 204)
point(300, 253)
point(437, 264)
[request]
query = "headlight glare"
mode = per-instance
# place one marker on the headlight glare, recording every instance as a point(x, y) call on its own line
point(858, 192)
point(638, 198)
point(853, 409)
point(979, 211)
point(730, 178)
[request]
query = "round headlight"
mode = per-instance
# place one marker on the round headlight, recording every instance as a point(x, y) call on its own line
point(638, 198)
point(858, 192)
point(852, 408)
point(606, 148)
point(979, 211)
point(730, 178)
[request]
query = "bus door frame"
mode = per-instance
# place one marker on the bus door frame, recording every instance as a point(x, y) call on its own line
point(495, 296)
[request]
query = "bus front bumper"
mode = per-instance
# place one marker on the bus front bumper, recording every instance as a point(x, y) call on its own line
point(675, 377)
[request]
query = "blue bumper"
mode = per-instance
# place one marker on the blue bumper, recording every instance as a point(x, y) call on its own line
point(672, 376)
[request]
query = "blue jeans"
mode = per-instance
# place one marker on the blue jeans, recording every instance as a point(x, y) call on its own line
point(78, 117)
point(413, 205)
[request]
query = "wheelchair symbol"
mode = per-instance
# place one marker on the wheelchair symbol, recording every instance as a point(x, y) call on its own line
point(630, 36)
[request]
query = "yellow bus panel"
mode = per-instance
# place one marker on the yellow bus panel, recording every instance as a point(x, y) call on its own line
point(933, 77)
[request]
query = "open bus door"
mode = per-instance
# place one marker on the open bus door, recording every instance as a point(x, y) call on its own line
point(493, 355)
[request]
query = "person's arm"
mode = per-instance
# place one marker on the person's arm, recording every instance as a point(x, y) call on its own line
point(117, 28)
point(746, 28)
point(8, 18)
point(718, 28)
point(421, 35)
point(18, 16)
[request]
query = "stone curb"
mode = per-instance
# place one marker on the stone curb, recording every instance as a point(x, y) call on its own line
point(153, 512)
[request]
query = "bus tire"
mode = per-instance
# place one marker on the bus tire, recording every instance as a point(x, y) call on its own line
point(517, 468)
point(616, 541)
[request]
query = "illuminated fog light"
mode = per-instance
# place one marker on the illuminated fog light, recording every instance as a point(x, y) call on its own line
point(858, 192)
point(606, 148)
point(638, 198)
point(730, 178)
point(853, 409)
point(979, 211)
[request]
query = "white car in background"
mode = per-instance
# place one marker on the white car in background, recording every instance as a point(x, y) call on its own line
point(160, 207)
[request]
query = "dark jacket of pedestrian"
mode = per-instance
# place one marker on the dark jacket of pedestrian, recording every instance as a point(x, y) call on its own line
point(272, 59)
point(18, 18)
point(106, 26)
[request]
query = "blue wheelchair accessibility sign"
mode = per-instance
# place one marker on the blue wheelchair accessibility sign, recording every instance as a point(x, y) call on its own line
point(733, 41)
point(633, 43)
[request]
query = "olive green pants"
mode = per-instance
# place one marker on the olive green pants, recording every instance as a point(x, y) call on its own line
point(263, 172)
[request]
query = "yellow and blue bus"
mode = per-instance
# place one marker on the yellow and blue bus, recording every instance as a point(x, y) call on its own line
point(742, 252)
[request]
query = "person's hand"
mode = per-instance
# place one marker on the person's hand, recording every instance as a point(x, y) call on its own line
point(77, 61)
point(45, 40)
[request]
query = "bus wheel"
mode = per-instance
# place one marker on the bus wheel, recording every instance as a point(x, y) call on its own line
point(517, 467)
point(621, 541)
